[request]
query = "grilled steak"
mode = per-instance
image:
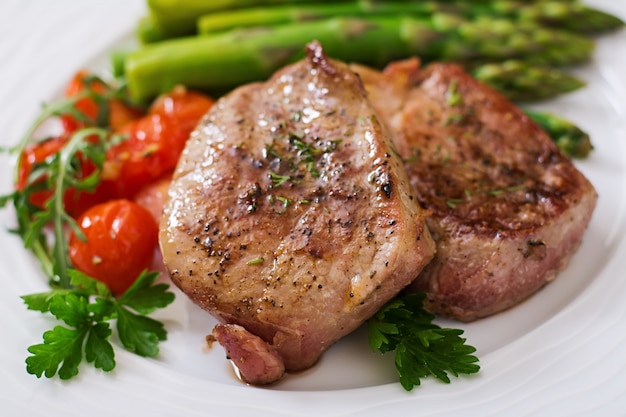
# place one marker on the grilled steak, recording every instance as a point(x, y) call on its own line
point(507, 208)
point(290, 216)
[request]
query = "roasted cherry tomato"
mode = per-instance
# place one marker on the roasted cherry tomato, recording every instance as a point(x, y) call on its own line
point(154, 142)
point(121, 238)
point(120, 113)
point(75, 202)
point(32, 155)
point(185, 106)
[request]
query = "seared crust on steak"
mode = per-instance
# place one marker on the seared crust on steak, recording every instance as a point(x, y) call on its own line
point(508, 208)
point(290, 215)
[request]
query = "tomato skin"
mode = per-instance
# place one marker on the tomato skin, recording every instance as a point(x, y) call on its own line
point(86, 106)
point(120, 113)
point(76, 202)
point(121, 240)
point(144, 156)
point(155, 141)
point(186, 106)
point(32, 155)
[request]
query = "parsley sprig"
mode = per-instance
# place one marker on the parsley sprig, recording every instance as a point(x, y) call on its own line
point(85, 306)
point(421, 347)
point(87, 311)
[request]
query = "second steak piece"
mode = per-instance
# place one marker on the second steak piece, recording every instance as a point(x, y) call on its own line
point(508, 208)
point(290, 218)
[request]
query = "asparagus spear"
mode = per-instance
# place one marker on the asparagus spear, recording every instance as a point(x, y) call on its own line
point(558, 14)
point(270, 16)
point(522, 81)
point(148, 30)
point(571, 16)
point(570, 138)
point(220, 62)
point(178, 17)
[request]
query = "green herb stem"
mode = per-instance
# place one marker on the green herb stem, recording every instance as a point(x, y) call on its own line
point(67, 154)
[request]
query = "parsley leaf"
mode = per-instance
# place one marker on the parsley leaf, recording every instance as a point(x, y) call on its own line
point(98, 349)
point(87, 311)
point(61, 347)
point(421, 347)
point(40, 301)
point(70, 308)
point(144, 296)
point(139, 334)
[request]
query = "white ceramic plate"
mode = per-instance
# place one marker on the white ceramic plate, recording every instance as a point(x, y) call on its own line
point(561, 353)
